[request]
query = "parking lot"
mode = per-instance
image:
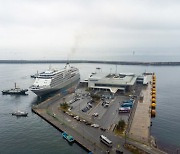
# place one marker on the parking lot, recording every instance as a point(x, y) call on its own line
point(102, 114)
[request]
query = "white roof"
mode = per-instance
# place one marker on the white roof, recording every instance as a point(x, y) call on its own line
point(102, 78)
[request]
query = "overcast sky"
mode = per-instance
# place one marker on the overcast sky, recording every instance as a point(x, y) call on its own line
point(58, 29)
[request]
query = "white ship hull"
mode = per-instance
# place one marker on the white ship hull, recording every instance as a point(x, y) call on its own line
point(49, 89)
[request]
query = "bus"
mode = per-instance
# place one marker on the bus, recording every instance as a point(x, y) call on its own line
point(124, 109)
point(105, 140)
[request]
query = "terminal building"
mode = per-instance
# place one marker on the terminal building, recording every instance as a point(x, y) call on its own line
point(122, 82)
point(142, 79)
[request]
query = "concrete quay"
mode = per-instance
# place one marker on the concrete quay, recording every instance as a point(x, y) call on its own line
point(140, 127)
point(59, 125)
point(85, 135)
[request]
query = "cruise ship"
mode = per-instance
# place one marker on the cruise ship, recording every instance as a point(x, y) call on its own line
point(54, 80)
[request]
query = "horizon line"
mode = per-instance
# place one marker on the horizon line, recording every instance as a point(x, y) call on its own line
point(158, 63)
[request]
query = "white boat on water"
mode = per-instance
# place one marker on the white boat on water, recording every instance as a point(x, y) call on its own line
point(20, 113)
point(53, 80)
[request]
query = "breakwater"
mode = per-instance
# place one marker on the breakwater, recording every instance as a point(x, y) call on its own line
point(90, 61)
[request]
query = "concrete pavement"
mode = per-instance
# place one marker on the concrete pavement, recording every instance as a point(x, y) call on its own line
point(83, 134)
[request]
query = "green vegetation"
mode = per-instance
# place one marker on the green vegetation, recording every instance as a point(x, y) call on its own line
point(134, 149)
point(95, 97)
point(64, 106)
point(120, 127)
point(87, 89)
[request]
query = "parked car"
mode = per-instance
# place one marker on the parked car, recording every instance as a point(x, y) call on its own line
point(90, 105)
point(95, 114)
point(95, 125)
point(103, 103)
point(76, 99)
point(119, 152)
point(71, 115)
point(106, 105)
point(54, 115)
point(70, 108)
point(85, 109)
point(103, 129)
point(77, 118)
point(87, 123)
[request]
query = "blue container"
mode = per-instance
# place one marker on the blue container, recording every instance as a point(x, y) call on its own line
point(127, 105)
point(128, 101)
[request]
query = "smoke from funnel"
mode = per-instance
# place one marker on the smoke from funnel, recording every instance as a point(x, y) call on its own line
point(75, 47)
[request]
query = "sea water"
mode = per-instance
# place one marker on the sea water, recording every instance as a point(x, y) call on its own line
point(33, 135)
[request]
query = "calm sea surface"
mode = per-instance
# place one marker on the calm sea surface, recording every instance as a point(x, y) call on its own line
point(34, 135)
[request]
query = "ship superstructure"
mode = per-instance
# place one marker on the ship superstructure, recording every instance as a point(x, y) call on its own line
point(53, 80)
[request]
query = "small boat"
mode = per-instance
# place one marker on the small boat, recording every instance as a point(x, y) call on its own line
point(15, 91)
point(69, 138)
point(20, 113)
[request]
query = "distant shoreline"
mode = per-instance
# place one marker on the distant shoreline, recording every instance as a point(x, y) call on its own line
point(90, 61)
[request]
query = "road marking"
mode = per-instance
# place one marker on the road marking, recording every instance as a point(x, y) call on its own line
point(94, 108)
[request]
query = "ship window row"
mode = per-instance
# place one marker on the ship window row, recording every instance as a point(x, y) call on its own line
point(60, 73)
point(59, 80)
point(55, 83)
point(59, 77)
point(44, 77)
point(45, 74)
point(66, 76)
point(69, 77)
point(72, 75)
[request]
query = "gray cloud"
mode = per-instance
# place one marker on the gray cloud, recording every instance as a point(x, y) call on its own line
point(42, 28)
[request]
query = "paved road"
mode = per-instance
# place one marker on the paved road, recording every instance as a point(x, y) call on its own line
point(89, 133)
point(86, 134)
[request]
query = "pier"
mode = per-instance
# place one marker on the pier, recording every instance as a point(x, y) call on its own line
point(87, 136)
point(140, 127)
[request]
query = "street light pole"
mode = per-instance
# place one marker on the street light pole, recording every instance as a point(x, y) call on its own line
point(177, 151)
point(125, 136)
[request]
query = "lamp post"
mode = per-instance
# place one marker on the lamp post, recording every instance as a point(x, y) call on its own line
point(177, 151)
point(125, 136)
